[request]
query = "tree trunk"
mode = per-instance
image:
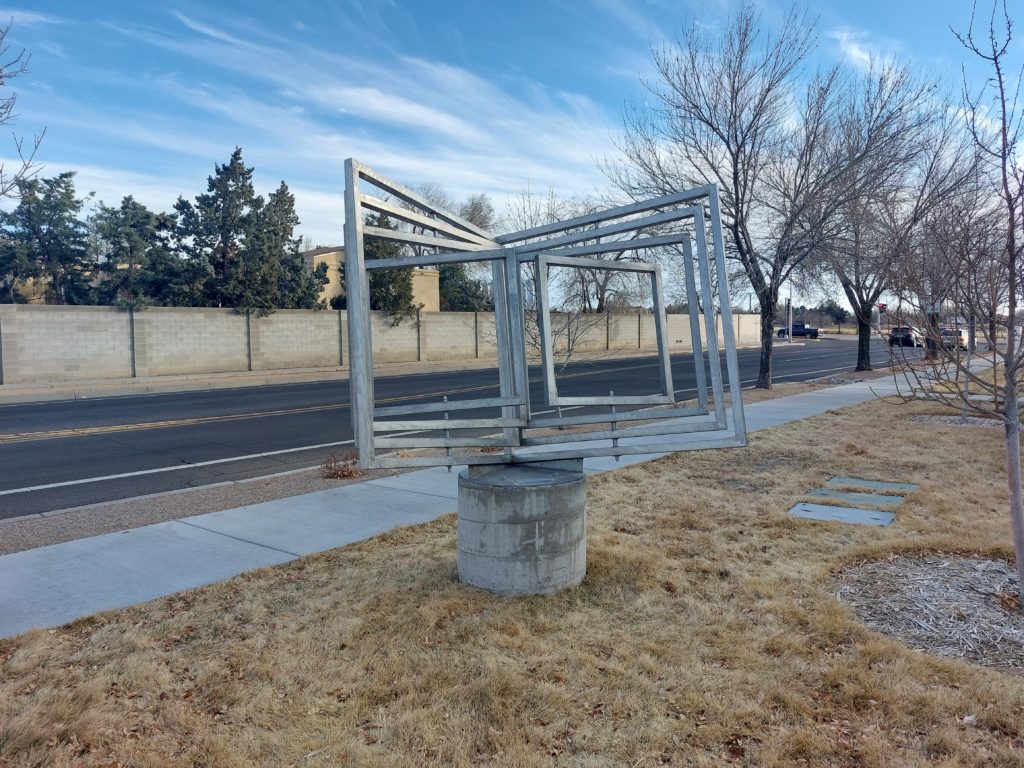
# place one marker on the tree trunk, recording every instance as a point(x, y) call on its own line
point(1013, 479)
point(764, 373)
point(863, 344)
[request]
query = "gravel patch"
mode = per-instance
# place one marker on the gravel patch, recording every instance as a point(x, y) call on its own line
point(957, 421)
point(960, 608)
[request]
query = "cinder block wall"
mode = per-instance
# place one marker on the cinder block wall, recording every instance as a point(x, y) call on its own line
point(394, 343)
point(296, 338)
point(176, 340)
point(52, 343)
point(44, 343)
point(623, 332)
point(448, 335)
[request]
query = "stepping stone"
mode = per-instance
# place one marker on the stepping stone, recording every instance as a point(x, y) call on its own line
point(828, 513)
point(875, 485)
point(852, 497)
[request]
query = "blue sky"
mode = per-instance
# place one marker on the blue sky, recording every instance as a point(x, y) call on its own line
point(144, 98)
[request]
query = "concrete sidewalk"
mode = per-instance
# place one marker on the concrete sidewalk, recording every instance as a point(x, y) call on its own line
point(57, 584)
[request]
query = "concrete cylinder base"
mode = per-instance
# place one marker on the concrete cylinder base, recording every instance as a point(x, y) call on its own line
point(522, 528)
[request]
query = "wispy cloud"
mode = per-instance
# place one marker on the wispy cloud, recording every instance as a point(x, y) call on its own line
point(858, 49)
point(30, 18)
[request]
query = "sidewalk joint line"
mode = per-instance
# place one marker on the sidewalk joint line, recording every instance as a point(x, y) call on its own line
point(239, 538)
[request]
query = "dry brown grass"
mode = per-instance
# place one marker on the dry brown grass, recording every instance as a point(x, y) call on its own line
point(706, 632)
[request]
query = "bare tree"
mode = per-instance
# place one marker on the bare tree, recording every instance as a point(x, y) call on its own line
point(732, 110)
point(13, 65)
point(973, 258)
point(878, 230)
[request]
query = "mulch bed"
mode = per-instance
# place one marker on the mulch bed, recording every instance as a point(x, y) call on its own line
point(958, 607)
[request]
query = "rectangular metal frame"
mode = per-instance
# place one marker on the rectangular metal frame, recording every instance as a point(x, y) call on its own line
point(545, 260)
point(569, 243)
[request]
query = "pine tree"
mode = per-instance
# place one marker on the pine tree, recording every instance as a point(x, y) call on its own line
point(125, 236)
point(390, 289)
point(46, 240)
point(213, 231)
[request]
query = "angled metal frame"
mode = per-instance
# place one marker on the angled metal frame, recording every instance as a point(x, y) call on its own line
point(634, 424)
point(545, 260)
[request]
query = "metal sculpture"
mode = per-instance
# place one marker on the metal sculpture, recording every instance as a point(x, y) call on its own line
point(513, 428)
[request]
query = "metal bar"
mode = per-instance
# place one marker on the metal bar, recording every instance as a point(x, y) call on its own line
point(446, 442)
point(600, 418)
point(395, 235)
point(696, 341)
point(435, 259)
point(435, 424)
point(517, 332)
point(617, 435)
point(611, 213)
point(710, 324)
point(547, 344)
point(581, 263)
point(419, 220)
point(611, 229)
point(739, 421)
point(451, 405)
point(456, 460)
point(414, 198)
point(616, 400)
point(610, 246)
point(661, 331)
point(529, 455)
point(506, 377)
point(359, 342)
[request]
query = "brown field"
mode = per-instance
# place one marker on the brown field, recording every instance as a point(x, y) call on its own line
point(705, 633)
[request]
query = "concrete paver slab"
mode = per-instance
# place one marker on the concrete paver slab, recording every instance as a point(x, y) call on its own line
point(828, 513)
point(876, 485)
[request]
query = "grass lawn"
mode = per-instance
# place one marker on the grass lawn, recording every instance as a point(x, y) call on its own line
point(705, 633)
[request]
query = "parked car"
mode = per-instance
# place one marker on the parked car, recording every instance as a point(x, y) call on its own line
point(800, 329)
point(906, 336)
point(954, 337)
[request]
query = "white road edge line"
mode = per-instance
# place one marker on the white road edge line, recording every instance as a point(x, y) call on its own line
point(212, 462)
point(175, 468)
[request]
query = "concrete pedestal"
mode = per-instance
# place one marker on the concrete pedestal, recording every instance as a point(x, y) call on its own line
point(522, 528)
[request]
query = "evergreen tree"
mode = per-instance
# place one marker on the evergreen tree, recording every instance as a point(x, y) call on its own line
point(213, 231)
point(297, 287)
point(390, 289)
point(46, 240)
point(126, 236)
point(461, 293)
point(247, 245)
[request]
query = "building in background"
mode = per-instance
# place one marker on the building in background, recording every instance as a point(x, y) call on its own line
point(425, 286)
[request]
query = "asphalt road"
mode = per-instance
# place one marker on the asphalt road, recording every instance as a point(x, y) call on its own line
point(62, 454)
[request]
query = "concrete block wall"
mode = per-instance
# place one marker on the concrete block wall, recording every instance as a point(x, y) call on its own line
point(178, 340)
point(52, 343)
point(296, 338)
point(623, 332)
point(43, 343)
point(448, 335)
point(394, 343)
